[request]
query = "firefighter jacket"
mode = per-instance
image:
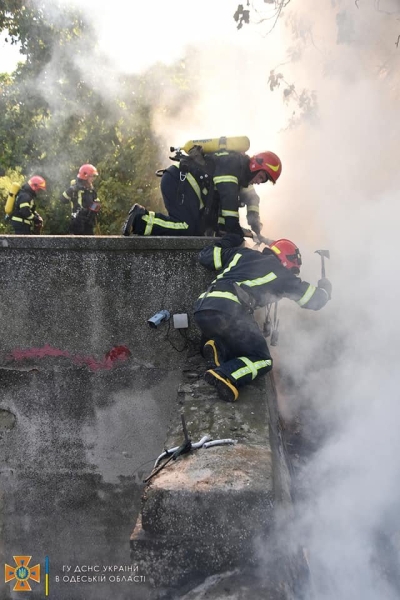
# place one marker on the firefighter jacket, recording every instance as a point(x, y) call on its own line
point(80, 196)
point(231, 173)
point(24, 207)
point(220, 183)
point(248, 279)
point(249, 198)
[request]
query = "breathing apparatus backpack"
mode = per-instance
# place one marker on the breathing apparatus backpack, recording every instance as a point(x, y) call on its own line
point(12, 194)
point(197, 151)
point(194, 158)
point(200, 164)
point(232, 144)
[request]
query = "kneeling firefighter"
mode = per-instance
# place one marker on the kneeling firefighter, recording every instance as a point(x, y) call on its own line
point(232, 342)
point(83, 199)
point(203, 192)
point(24, 218)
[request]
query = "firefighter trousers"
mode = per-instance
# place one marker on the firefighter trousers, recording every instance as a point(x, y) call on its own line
point(183, 205)
point(242, 349)
point(21, 228)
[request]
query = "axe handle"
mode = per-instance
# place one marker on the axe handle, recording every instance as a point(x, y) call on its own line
point(322, 266)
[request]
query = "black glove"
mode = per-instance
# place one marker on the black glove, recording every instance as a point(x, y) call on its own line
point(230, 240)
point(247, 232)
point(37, 219)
point(326, 285)
point(253, 219)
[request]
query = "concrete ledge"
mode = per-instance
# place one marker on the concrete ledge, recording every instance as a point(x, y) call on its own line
point(224, 490)
point(206, 511)
point(109, 242)
point(173, 562)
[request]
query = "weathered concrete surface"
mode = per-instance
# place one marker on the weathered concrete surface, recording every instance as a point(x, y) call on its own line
point(206, 512)
point(72, 468)
point(77, 425)
point(79, 420)
point(86, 294)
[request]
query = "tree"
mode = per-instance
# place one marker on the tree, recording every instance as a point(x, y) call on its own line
point(255, 14)
point(52, 128)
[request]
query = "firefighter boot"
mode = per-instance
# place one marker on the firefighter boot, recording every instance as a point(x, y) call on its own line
point(135, 211)
point(225, 389)
point(212, 354)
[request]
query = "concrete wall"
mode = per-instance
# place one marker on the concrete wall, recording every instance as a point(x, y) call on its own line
point(82, 421)
point(78, 430)
point(84, 295)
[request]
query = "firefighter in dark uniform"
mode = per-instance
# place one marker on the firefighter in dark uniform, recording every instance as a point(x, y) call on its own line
point(192, 195)
point(247, 279)
point(24, 219)
point(234, 177)
point(83, 199)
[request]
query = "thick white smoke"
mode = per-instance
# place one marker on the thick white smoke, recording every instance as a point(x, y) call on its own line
point(338, 190)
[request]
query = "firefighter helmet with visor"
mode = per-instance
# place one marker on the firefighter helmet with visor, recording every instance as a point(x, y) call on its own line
point(268, 162)
point(87, 171)
point(288, 253)
point(37, 183)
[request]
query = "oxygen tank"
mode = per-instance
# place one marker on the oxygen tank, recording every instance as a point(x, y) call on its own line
point(236, 144)
point(14, 189)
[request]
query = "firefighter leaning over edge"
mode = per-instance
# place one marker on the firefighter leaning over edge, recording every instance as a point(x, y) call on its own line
point(232, 342)
point(84, 203)
point(192, 194)
point(24, 219)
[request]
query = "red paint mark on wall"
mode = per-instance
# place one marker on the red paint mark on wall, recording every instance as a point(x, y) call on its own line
point(117, 353)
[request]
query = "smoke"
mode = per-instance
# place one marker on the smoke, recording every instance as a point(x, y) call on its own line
point(226, 70)
point(338, 190)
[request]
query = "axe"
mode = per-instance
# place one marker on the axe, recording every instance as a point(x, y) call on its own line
point(323, 254)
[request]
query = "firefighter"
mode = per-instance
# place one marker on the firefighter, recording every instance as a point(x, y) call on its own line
point(24, 218)
point(83, 199)
point(233, 344)
point(205, 199)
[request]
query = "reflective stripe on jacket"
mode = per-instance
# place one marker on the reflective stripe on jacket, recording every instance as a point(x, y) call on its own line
point(24, 205)
point(260, 275)
point(79, 196)
point(230, 173)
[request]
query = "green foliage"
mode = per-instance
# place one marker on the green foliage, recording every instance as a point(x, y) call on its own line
point(56, 116)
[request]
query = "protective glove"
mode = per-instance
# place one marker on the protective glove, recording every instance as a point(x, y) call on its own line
point(253, 219)
point(37, 219)
point(265, 240)
point(230, 240)
point(247, 232)
point(326, 285)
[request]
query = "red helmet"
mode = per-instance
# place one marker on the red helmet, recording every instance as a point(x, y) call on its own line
point(87, 171)
point(266, 161)
point(37, 183)
point(288, 253)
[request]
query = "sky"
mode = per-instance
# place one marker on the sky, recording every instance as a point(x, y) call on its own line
point(9, 55)
point(339, 191)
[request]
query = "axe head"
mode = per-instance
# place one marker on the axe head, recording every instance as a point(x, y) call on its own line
point(323, 253)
